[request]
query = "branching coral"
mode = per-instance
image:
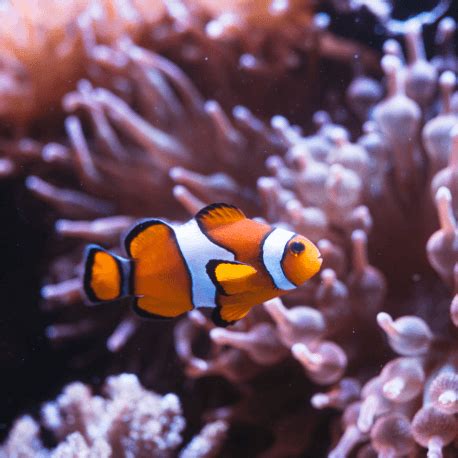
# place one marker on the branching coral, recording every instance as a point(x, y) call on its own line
point(207, 444)
point(129, 421)
point(137, 127)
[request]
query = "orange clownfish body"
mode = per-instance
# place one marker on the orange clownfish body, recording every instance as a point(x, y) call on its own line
point(219, 259)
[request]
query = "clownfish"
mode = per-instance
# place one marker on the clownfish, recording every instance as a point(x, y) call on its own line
point(219, 259)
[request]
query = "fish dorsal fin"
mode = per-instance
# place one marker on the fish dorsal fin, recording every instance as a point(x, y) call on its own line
point(231, 277)
point(215, 215)
point(146, 235)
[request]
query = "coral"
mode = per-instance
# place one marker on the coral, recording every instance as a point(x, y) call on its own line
point(372, 181)
point(342, 194)
point(129, 421)
point(207, 443)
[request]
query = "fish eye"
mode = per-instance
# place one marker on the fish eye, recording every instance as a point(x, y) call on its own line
point(297, 247)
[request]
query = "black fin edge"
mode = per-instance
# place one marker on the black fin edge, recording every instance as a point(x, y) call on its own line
point(137, 229)
point(146, 315)
point(211, 272)
point(89, 254)
point(218, 320)
point(209, 208)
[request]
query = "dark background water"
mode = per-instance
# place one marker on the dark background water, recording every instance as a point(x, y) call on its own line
point(26, 363)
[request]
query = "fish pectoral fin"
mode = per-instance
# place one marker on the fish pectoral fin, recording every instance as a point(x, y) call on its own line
point(147, 235)
point(152, 308)
point(216, 215)
point(229, 314)
point(231, 277)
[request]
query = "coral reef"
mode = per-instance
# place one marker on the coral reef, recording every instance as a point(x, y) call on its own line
point(130, 421)
point(127, 421)
point(372, 181)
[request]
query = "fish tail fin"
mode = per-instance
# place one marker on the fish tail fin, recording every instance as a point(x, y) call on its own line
point(106, 275)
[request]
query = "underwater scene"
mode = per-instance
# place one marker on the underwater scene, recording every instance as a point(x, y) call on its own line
point(228, 229)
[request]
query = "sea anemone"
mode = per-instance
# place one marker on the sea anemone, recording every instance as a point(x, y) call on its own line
point(36, 39)
point(359, 201)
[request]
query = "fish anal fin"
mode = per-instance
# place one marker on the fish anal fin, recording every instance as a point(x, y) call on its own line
point(216, 215)
point(231, 277)
point(146, 236)
point(148, 307)
point(228, 314)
